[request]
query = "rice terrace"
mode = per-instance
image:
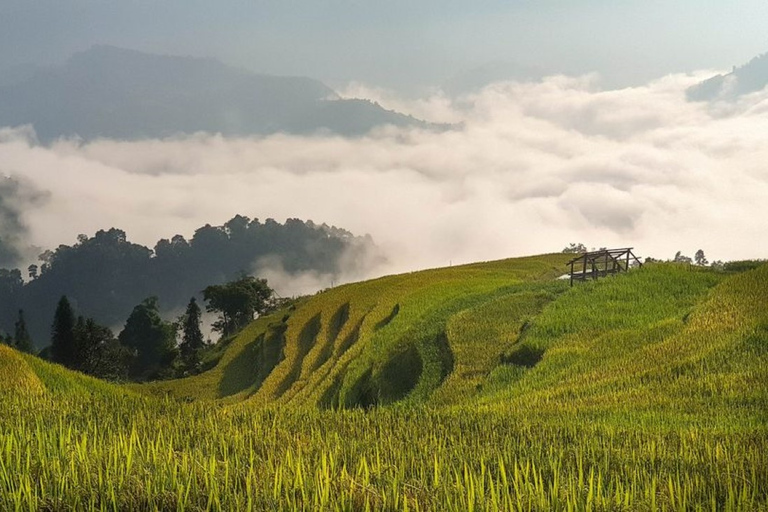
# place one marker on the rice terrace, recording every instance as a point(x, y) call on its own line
point(489, 386)
point(308, 256)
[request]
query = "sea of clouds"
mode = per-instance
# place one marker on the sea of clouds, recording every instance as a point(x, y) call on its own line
point(527, 168)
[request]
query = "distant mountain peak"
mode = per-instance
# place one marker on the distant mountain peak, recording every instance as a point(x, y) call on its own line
point(105, 54)
point(751, 77)
point(107, 91)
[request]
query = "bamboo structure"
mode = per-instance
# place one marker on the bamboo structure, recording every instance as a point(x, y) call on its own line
point(596, 264)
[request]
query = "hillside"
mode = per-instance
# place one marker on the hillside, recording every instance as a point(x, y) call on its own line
point(375, 342)
point(491, 386)
point(662, 338)
point(125, 94)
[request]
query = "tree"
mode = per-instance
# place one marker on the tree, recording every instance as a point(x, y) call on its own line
point(21, 338)
point(100, 353)
point(11, 285)
point(82, 346)
point(191, 337)
point(63, 344)
point(112, 360)
point(106, 275)
point(237, 302)
point(152, 340)
point(700, 259)
point(575, 248)
point(680, 258)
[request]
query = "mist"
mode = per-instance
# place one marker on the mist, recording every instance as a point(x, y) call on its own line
point(528, 168)
point(16, 194)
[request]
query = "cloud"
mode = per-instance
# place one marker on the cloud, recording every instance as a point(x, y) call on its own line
point(529, 168)
point(288, 284)
point(16, 195)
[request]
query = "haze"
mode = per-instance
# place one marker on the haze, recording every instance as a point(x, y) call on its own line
point(597, 143)
point(401, 44)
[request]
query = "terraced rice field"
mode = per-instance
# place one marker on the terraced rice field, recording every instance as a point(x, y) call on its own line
point(490, 386)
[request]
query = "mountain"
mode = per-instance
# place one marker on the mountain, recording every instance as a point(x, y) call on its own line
point(118, 93)
point(18, 73)
point(750, 77)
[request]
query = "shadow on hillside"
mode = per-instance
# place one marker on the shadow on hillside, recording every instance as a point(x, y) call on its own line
point(392, 382)
point(523, 355)
point(330, 397)
point(386, 320)
point(255, 362)
point(399, 375)
point(350, 339)
point(307, 338)
point(335, 326)
point(396, 378)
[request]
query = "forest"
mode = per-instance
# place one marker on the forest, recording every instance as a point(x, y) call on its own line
point(105, 276)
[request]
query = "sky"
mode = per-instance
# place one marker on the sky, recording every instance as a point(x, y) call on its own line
point(528, 168)
point(400, 44)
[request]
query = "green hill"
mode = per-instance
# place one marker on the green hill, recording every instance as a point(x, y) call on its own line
point(663, 337)
point(376, 342)
point(491, 386)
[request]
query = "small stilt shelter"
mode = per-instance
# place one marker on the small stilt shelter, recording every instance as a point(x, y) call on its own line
point(595, 264)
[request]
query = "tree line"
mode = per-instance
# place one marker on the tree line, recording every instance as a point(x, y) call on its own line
point(148, 347)
point(699, 259)
point(106, 275)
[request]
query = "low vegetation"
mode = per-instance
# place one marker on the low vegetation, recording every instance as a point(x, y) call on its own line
point(490, 386)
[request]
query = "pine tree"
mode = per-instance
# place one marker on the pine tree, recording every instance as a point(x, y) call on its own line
point(82, 348)
point(63, 343)
point(21, 339)
point(192, 338)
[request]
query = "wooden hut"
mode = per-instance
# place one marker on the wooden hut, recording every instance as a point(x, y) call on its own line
point(596, 264)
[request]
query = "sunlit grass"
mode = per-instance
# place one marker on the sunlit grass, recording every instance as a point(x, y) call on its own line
point(148, 454)
point(646, 391)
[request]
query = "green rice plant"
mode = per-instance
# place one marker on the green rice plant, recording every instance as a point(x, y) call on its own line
point(648, 393)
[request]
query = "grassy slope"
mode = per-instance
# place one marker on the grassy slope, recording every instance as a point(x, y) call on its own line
point(499, 334)
point(659, 339)
point(356, 344)
point(23, 376)
point(506, 334)
point(641, 392)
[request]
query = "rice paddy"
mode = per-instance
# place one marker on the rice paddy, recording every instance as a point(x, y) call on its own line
point(483, 387)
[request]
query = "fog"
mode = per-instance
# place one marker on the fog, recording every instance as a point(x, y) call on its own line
point(529, 168)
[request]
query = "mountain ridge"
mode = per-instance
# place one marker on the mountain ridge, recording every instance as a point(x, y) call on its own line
point(748, 78)
point(113, 92)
